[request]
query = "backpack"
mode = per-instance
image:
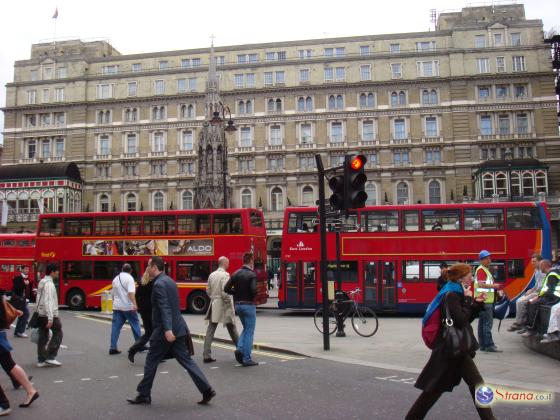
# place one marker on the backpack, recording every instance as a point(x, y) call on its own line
point(430, 330)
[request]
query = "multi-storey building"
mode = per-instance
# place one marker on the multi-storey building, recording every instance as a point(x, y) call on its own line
point(428, 109)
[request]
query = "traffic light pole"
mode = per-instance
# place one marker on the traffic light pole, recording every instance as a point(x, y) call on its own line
point(323, 265)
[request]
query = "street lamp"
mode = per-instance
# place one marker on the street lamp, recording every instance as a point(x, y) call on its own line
point(219, 116)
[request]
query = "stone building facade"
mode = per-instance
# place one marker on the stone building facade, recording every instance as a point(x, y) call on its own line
point(426, 108)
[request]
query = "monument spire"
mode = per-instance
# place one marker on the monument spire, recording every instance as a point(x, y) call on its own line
point(212, 85)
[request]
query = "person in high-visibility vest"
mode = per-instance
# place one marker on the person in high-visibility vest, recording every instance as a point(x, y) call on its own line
point(548, 295)
point(484, 283)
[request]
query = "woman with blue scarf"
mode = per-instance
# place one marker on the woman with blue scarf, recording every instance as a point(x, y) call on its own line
point(443, 373)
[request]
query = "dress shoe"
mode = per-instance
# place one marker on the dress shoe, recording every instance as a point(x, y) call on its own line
point(209, 360)
point(131, 354)
point(207, 396)
point(114, 351)
point(140, 399)
point(238, 356)
point(30, 401)
point(250, 363)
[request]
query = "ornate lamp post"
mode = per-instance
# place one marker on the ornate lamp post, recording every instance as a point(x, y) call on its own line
point(219, 116)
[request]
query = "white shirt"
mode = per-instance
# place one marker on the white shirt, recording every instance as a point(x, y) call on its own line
point(47, 298)
point(123, 284)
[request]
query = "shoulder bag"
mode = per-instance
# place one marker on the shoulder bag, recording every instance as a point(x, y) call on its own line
point(458, 341)
point(34, 320)
point(10, 314)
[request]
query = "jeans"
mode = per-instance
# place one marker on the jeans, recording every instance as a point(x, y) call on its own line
point(119, 318)
point(485, 320)
point(22, 320)
point(44, 351)
point(248, 317)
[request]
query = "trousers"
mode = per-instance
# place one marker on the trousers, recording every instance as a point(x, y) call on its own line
point(44, 351)
point(521, 308)
point(485, 321)
point(211, 330)
point(157, 352)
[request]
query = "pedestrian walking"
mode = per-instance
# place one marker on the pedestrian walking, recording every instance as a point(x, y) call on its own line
point(243, 286)
point(124, 307)
point(169, 335)
point(48, 319)
point(484, 284)
point(522, 303)
point(19, 301)
point(221, 308)
point(442, 373)
point(14, 371)
point(442, 279)
point(144, 301)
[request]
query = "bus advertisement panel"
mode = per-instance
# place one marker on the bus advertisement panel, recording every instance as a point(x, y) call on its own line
point(91, 248)
point(395, 253)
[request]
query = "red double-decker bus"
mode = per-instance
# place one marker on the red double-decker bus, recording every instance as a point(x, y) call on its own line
point(17, 250)
point(91, 248)
point(394, 253)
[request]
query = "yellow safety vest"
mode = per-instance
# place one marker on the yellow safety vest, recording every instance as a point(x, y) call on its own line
point(489, 280)
point(544, 288)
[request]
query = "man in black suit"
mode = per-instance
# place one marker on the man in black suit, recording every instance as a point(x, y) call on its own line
point(169, 334)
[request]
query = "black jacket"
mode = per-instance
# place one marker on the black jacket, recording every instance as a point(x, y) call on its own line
point(166, 313)
point(441, 373)
point(19, 287)
point(242, 285)
point(144, 297)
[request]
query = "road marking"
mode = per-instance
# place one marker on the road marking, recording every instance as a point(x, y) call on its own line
point(388, 377)
point(62, 346)
point(164, 372)
point(85, 379)
point(215, 367)
point(113, 377)
point(58, 382)
point(139, 374)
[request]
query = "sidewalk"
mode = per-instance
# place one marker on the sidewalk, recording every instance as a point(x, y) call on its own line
point(396, 346)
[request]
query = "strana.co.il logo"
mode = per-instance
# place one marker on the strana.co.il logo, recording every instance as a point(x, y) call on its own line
point(300, 246)
point(487, 395)
point(484, 395)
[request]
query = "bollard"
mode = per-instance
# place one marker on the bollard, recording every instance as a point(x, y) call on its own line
point(106, 302)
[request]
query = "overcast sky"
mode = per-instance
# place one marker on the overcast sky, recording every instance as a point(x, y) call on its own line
point(136, 26)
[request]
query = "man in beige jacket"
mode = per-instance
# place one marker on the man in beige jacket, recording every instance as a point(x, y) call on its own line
point(221, 308)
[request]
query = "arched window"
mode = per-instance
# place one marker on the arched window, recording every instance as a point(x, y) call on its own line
point(241, 107)
point(515, 184)
point(276, 199)
point(270, 105)
point(528, 185)
point(308, 104)
point(183, 111)
point(394, 99)
point(433, 97)
point(301, 104)
point(158, 200)
point(363, 100)
point(249, 107)
point(278, 105)
point(332, 102)
point(187, 200)
point(501, 184)
point(371, 191)
point(425, 97)
point(402, 193)
point(130, 202)
point(540, 180)
point(190, 111)
point(307, 196)
point(487, 185)
point(339, 102)
point(434, 192)
point(402, 98)
point(246, 198)
point(370, 100)
point(104, 202)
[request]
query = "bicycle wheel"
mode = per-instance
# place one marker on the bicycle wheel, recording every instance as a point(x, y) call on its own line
point(364, 322)
point(318, 319)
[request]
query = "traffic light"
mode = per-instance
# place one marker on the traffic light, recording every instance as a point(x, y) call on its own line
point(336, 183)
point(354, 181)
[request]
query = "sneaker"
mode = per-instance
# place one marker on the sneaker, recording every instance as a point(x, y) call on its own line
point(21, 335)
point(493, 349)
point(238, 356)
point(53, 362)
point(114, 351)
point(5, 411)
point(41, 364)
point(250, 363)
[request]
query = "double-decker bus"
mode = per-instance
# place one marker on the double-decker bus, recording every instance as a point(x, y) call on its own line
point(91, 248)
point(394, 253)
point(17, 250)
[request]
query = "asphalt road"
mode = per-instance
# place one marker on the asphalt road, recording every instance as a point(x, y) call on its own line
point(93, 385)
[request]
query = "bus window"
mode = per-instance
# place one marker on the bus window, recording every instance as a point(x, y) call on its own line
point(227, 223)
point(78, 227)
point(380, 221)
point(441, 219)
point(497, 268)
point(303, 223)
point(202, 223)
point(25, 243)
point(193, 271)
point(516, 269)
point(348, 271)
point(159, 225)
point(256, 219)
point(134, 224)
point(484, 219)
point(186, 224)
point(9, 242)
point(50, 226)
point(77, 270)
point(109, 226)
point(411, 221)
point(351, 223)
point(432, 269)
point(523, 218)
point(411, 271)
point(108, 270)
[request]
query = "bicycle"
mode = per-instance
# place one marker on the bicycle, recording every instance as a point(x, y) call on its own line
point(364, 319)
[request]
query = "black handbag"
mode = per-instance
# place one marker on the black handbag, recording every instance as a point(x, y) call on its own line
point(458, 341)
point(34, 320)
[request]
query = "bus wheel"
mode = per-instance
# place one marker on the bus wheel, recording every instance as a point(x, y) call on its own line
point(198, 302)
point(76, 300)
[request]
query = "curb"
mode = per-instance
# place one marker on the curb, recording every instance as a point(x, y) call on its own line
point(200, 336)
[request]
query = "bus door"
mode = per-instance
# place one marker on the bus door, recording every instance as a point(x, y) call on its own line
point(300, 284)
point(380, 284)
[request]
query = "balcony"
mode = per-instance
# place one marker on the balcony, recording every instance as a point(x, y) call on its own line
point(102, 157)
point(157, 154)
point(189, 152)
point(366, 143)
point(337, 144)
point(401, 141)
point(275, 147)
point(305, 145)
point(246, 149)
point(432, 139)
point(131, 155)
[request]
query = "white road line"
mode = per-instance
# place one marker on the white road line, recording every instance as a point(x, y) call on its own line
point(164, 373)
point(139, 374)
point(384, 379)
point(215, 367)
point(58, 382)
point(85, 379)
point(62, 346)
point(113, 377)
